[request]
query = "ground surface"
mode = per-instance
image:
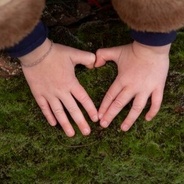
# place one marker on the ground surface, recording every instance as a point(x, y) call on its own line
point(33, 152)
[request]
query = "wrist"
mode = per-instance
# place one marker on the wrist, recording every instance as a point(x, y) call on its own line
point(151, 50)
point(37, 55)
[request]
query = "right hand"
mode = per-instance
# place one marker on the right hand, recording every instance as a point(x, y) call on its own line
point(142, 73)
point(55, 86)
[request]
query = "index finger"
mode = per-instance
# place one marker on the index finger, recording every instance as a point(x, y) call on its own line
point(81, 95)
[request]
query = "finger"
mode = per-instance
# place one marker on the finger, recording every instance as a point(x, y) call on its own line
point(107, 54)
point(80, 94)
point(156, 100)
point(116, 106)
point(83, 57)
point(76, 113)
point(111, 94)
point(137, 107)
point(61, 117)
point(45, 108)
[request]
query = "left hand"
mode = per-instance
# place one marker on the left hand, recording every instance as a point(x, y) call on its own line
point(55, 87)
point(142, 72)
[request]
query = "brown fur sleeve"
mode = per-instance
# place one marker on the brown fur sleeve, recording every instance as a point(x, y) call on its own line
point(151, 15)
point(17, 19)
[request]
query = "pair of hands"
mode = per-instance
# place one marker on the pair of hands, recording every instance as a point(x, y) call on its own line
point(142, 72)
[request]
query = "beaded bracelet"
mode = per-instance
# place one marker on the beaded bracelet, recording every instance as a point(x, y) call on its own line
point(40, 59)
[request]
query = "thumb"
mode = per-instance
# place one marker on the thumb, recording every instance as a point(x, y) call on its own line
point(83, 57)
point(107, 54)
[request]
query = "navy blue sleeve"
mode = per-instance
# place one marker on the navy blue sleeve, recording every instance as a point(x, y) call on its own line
point(30, 42)
point(153, 39)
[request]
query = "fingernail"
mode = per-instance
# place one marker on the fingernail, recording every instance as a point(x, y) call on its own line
point(148, 118)
point(86, 131)
point(104, 124)
point(70, 133)
point(95, 118)
point(53, 123)
point(100, 116)
point(125, 128)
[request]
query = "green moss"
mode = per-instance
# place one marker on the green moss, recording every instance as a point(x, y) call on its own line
point(99, 34)
point(33, 152)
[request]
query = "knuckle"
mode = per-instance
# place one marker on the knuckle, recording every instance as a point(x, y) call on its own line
point(49, 117)
point(118, 104)
point(72, 110)
point(137, 108)
point(79, 124)
point(154, 112)
point(155, 108)
point(98, 52)
point(43, 107)
point(109, 97)
point(110, 116)
point(156, 105)
point(84, 99)
point(58, 111)
point(46, 112)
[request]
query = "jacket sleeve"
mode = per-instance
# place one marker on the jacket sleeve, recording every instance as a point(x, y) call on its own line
point(30, 42)
point(153, 39)
point(151, 15)
point(17, 19)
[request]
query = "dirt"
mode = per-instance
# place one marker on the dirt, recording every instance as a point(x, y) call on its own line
point(9, 67)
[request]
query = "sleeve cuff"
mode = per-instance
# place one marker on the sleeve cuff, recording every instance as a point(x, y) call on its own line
point(153, 39)
point(30, 42)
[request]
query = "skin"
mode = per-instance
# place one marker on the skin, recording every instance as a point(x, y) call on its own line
point(142, 73)
point(54, 85)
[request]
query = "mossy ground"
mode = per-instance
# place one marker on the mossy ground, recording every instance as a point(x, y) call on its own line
point(33, 152)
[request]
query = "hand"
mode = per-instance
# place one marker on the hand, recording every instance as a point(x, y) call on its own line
point(142, 72)
point(55, 86)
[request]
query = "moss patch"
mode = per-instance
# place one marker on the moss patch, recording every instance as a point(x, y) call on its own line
point(33, 152)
